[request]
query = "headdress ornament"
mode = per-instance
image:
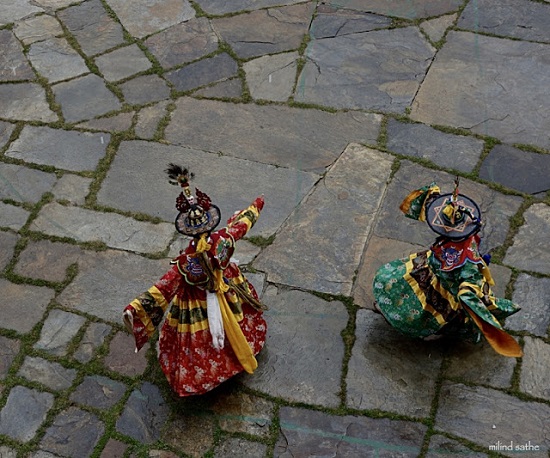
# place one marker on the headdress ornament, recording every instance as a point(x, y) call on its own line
point(196, 215)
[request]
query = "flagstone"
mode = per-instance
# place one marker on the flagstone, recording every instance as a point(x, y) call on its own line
point(93, 28)
point(239, 447)
point(265, 31)
point(85, 98)
point(308, 140)
point(115, 275)
point(56, 60)
point(72, 188)
point(535, 368)
point(122, 357)
point(51, 374)
point(482, 415)
point(232, 89)
point(529, 249)
point(521, 19)
point(145, 17)
point(25, 102)
point(6, 130)
point(9, 348)
point(490, 86)
point(11, 11)
point(114, 230)
point(13, 217)
point(443, 447)
point(122, 63)
point(98, 392)
point(37, 28)
point(301, 324)
point(13, 64)
point(93, 338)
point(22, 306)
point(371, 71)
point(57, 147)
point(324, 237)
point(271, 77)
point(436, 28)
point(311, 433)
point(220, 7)
point(8, 240)
point(145, 89)
point(411, 9)
point(184, 42)
point(531, 294)
point(388, 371)
point(23, 184)
point(149, 118)
point(331, 21)
point(59, 329)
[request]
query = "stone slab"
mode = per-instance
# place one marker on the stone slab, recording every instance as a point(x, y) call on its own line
point(232, 447)
point(114, 449)
point(370, 71)
point(272, 77)
point(437, 27)
point(13, 64)
point(479, 364)
point(310, 433)
point(117, 123)
point(110, 274)
point(192, 433)
point(85, 98)
point(529, 249)
point(114, 230)
point(145, 17)
point(37, 28)
point(411, 9)
point(25, 410)
point(122, 357)
point(72, 188)
point(221, 7)
point(145, 89)
point(301, 324)
point(496, 208)
point(58, 331)
point(22, 306)
point(535, 369)
point(229, 89)
point(122, 63)
point(390, 372)
point(7, 452)
point(8, 241)
point(93, 338)
point(518, 19)
point(98, 392)
point(138, 170)
point(57, 147)
point(483, 416)
point(56, 60)
point(183, 43)
point(244, 413)
point(25, 102)
point(11, 11)
point(529, 174)
point(8, 351)
point(474, 84)
point(46, 260)
point(51, 374)
point(443, 447)
point(13, 217)
point(319, 247)
point(203, 72)
point(6, 129)
point(265, 31)
point(93, 28)
point(149, 118)
point(144, 415)
point(379, 251)
point(531, 294)
point(308, 140)
point(74, 433)
point(445, 150)
point(332, 21)
point(23, 184)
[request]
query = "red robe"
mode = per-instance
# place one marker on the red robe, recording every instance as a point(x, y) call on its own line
point(186, 354)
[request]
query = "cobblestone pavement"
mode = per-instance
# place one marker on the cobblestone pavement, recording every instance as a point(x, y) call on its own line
point(332, 109)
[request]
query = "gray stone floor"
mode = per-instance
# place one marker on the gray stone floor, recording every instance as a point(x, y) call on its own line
point(333, 110)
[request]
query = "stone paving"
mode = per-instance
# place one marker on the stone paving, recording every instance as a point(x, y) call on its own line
point(333, 110)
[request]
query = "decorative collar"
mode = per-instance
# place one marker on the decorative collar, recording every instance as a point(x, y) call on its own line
point(453, 255)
